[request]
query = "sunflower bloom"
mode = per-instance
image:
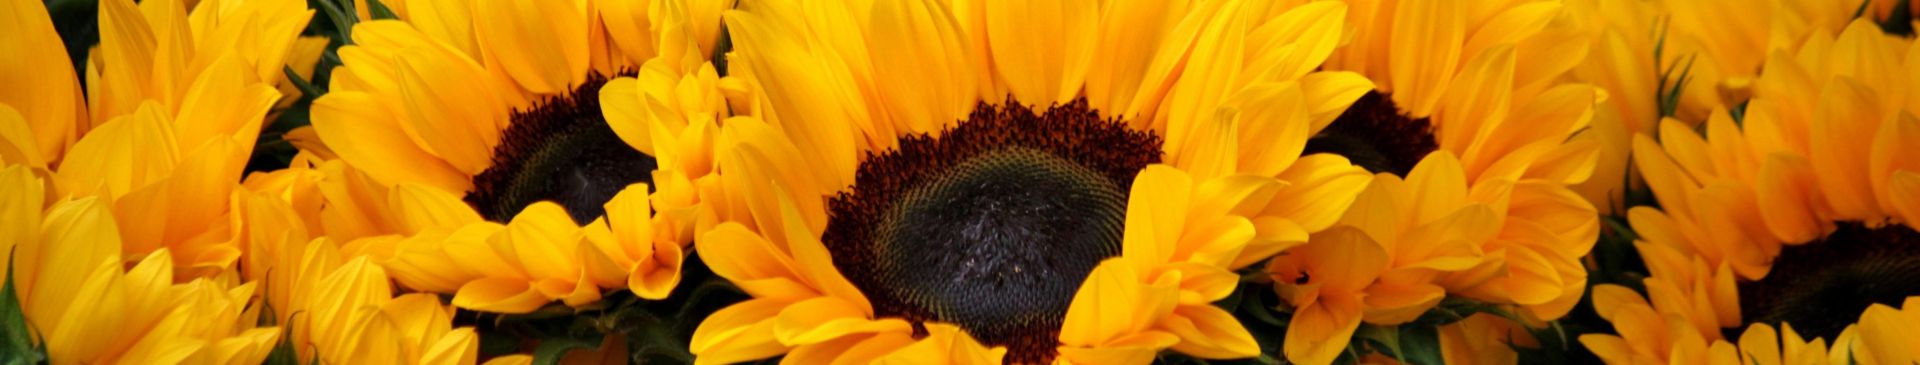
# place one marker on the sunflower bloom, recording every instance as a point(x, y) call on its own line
point(1100, 177)
point(170, 119)
point(1802, 192)
point(463, 130)
point(87, 307)
point(1448, 79)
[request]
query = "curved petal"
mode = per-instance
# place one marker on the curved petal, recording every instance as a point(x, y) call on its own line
point(1209, 332)
point(499, 295)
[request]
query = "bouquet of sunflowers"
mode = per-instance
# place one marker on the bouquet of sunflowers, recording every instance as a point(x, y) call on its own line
point(959, 182)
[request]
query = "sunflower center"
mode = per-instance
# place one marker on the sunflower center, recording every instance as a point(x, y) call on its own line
point(559, 150)
point(1373, 134)
point(992, 225)
point(1822, 287)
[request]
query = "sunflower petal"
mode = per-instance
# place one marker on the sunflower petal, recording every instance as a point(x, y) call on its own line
point(354, 125)
point(1209, 332)
point(1042, 71)
point(1426, 48)
point(824, 319)
point(740, 332)
point(499, 295)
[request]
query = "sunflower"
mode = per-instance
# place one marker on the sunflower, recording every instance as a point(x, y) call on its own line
point(1679, 59)
point(1472, 143)
point(174, 104)
point(86, 306)
point(926, 176)
point(1652, 334)
point(1784, 215)
point(475, 158)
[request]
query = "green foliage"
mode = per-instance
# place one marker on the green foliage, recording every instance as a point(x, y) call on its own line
point(380, 11)
point(16, 340)
point(551, 350)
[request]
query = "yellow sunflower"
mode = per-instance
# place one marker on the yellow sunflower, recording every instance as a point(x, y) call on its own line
point(1701, 54)
point(474, 159)
point(932, 178)
point(1796, 212)
point(340, 309)
point(1474, 145)
point(175, 102)
point(1651, 333)
point(84, 305)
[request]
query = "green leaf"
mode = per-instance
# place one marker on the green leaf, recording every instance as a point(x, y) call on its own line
point(342, 17)
point(552, 349)
point(380, 11)
point(16, 342)
point(283, 354)
point(1421, 345)
point(305, 87)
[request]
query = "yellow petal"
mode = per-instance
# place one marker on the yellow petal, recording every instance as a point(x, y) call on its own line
point(17, 145)
point(448, 102)
point(1669, 184)
point(1396, 303)
point(544, 240)
point(79, 335)
point(1105, 308)
point(1156, 212)
point(1212, 75)
point(21, 198)
point(740, 332)
point(824, 319)
point(420, 207)
point(1319, 332)
point(797, 93)
point(76, 239)
point(1281, 130)
point(1343, 259)
point(1442, 187)
point(1839, 157)
point(1905, 192)
point(499, 295)
point(1477, 103)
point(366, 136)
point(1511, 26)
point(450, 22)
point(621, 103)
point(124, 154)
point(1312, 30)
point(1041, 71)
point(458, 347)
point(222, 103)
point(1320, 188)
point(1130, 35)
point(542, 44)
point(813, 261)
point(742, 256)
point(1209, 332)
point(1425, 42)
point(1895, 148)
point(928, 79)
point(947, 342)
point(1329, 93)
point(42, 90)
point(1140, 348)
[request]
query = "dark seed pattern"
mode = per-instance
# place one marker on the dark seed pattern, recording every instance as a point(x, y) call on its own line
point(1822, 287)
point(1374, 135)
point(559, 150)
point(992, 225)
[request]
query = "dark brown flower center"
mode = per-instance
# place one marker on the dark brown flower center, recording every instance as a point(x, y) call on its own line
point(560, 150)
point(992, 225)
point(1373, 134)
point(1822, 287)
